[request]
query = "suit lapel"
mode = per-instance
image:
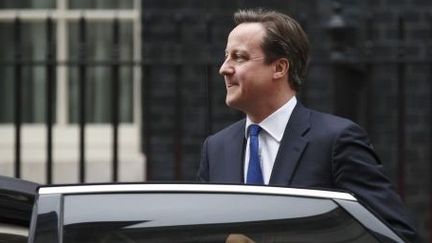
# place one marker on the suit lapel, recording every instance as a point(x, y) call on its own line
point(291, 147)
point(234, 147)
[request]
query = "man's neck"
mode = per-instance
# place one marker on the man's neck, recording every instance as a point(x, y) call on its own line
point(268, 109)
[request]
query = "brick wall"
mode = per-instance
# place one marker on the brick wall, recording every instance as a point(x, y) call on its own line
point(417, 36)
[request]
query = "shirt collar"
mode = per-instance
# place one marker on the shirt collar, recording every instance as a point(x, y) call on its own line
point(276, 122)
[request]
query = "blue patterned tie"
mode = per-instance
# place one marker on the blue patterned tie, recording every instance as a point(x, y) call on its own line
point(254, 173)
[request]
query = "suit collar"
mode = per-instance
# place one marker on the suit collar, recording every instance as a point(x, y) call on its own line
point(234, 147)
point(276, 122)
point(291, 147)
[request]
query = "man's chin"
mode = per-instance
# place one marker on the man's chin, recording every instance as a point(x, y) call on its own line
point(232, 103)
point(229, 102)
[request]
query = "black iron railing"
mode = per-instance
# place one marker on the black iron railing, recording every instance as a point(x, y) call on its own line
point(345, 67)
point(342, 63)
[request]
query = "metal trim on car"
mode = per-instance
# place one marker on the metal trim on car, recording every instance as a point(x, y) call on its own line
point(10, 229)
point(194, 188)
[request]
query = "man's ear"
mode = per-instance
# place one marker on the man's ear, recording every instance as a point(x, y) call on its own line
point(281, 67)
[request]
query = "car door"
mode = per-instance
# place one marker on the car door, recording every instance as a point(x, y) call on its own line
point(16, 203)
point(202, 213)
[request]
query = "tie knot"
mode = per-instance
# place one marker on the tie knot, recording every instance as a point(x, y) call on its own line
point(254, 130)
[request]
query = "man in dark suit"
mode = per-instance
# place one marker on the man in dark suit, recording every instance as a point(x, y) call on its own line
point(281, 142)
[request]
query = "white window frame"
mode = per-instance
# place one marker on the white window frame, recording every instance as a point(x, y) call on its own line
point(66, 135)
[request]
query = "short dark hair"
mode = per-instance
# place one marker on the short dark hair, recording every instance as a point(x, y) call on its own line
point(284, 38)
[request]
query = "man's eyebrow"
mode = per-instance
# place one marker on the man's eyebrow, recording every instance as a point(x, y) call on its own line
point(243, 52)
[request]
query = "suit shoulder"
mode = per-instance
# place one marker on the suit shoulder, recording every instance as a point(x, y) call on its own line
point(234, 128)
point(327, 127)
point(332, 123)
point(330, 119)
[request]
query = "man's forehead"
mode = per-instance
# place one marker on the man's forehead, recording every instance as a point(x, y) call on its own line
point(247, 30)
point(245, 35)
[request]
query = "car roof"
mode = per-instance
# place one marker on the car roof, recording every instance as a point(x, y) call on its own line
point(16, 200)
point(176, 187)
point(18, 185)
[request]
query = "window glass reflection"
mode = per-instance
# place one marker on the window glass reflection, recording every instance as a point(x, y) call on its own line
point(99, 47)
point(32, 49)
point(193, 217)
point(101, 4)
point(27, 4)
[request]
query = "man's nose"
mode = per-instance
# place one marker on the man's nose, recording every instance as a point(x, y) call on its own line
point(226, 68)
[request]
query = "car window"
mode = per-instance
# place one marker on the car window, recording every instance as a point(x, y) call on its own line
point(206, 217)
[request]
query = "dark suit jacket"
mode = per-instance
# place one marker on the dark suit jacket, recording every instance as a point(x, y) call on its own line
point(317, 150)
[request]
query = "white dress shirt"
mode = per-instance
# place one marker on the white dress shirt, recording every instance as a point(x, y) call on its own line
point(273, 128)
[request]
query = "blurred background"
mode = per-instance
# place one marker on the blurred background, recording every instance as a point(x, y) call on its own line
point(100, 91)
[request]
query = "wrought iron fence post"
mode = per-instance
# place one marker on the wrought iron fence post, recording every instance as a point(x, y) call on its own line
point(401, 111)
point(50, 68)
point(115, 97)
point(82, 70)
point(348, 74)
point(18, 95)
point(146, 99)
point(178, 126)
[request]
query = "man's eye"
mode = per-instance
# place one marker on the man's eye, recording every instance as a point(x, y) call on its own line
point(239, 58)
point(234, 57)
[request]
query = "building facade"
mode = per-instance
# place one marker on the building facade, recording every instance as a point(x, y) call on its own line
point(370, 62)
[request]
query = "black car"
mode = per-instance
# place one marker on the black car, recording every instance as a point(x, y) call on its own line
point(16, 203)
point(201, 213)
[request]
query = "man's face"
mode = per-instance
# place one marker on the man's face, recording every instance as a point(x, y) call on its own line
point(247, 78)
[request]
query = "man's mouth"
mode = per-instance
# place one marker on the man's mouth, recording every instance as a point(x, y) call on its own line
point(230, 84)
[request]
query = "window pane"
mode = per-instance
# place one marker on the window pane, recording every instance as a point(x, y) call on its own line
point(193, 217)
point(7, 102)
point(27, 4)
point(7, 73)
point(33, 75)
point(101, 4)
point(99, 76)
